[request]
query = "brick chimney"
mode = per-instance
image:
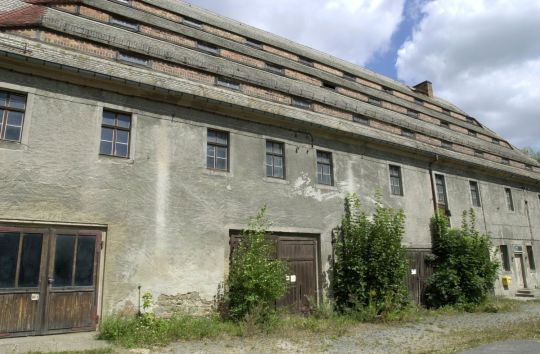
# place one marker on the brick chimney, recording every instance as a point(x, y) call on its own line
point(425, 87)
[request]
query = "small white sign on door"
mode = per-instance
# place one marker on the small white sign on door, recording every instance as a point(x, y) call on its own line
point(293, 278)
point(35, 297)
point(413, 271)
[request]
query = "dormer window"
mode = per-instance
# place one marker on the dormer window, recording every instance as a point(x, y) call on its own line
point(128, 58)
point(120, 22)
point(447, 145)
point(301, 103)
point(329, 86)
point(305, 61)
point(208, 48)
point(254, 43)
point(411, 113)
point(348, 76)
point(358, 118)
point(374, 101)
point(408, 133)
point(276, 69)
point(192, 23)
point(228, 83)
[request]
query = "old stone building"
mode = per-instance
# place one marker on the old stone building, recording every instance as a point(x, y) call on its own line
point(138, 137)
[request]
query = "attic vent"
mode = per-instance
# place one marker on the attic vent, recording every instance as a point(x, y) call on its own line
point(374, 101)
point(447, 145)
point(425, 88)
point(419, 101)
point(228, 83)
point(348, 76)
point(445, 124)
point(446, 111)
point(407, 133)
point(192, 23)
point(478, 153)
point(388, 90)
point(495, 141)
point(471, 132)
point(329, 86)
point(412, 113)
point(124, 23)
point(132, 59)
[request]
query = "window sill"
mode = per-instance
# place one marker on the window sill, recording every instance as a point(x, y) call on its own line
point(276, 180)
point(12, 145)
point(326, 186)
point(115, 159)
point(218, 173)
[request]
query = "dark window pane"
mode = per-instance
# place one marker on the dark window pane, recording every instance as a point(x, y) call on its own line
point(221, 152)
point(30, 260)
point(105, 148)
point(63, 260)
point(124, 121)
point(530, 256)
point(278, 172)
point(122, 136)
point(269, 160)
point(17, 101)
point(84, 269)
point(222, 138)
point(210, 162)
point(108, 118)
point(268, 146)
point(107, 134)
point(278, 161)
point(121, 150)
point(15, 118)
point(212, 136)
point(9, 249)
point(1, 117)
point(221, 164)
point(12, 133)
point(269, 172)
point(211, 151)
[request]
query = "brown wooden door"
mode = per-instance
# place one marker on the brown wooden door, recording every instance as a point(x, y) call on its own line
point(300, 254)
point(418, 273)
point(48, 280)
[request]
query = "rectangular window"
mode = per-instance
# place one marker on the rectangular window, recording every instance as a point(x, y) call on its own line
point(478, 153)
point(348, 76)
point(228, 83)
point(446, 144)
point(408, 133)
point(418, 101)
point(509, 199)
point(12, 107)
point(471, 120)
point(276, 69)
point(208, 48)
point(505, 161)
point(192, 23)
point(388, 90)
point(132, 59)
point(412, 113)
point(495, 141)
point(395, 180)
point(124, 23)
point(440, 187)
point(446, 111)
point(217, 150)
point(301, 103)
point(275, 160)
point(20, 258)
point(505, 258)
point(358, 118)
point(445, 124)
point(305, 61)
point(115, 132)
point(475, 193)
point(254, 43)
point(374, 101)
point(530, 256)
point(471, 132)
point(324, 168)
point(329, 86)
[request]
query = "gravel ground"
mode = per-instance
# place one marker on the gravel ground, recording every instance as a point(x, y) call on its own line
point(438, 333)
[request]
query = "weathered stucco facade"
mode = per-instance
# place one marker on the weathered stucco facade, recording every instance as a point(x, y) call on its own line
point(178, 71)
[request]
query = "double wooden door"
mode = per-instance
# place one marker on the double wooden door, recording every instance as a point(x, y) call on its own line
point(48, 280)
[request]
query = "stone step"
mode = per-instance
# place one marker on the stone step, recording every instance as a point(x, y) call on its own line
point(530, 293)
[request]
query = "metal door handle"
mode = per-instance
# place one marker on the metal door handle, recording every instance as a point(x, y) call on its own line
point(50, 280)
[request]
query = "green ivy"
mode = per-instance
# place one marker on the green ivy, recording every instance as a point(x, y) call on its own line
point(464, 272)
point(256, 279)
point(370, 262)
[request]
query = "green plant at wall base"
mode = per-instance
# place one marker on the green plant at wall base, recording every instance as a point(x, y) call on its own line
point(464, 272)
point(370, 262)
point(256, 279)
point(147, 300)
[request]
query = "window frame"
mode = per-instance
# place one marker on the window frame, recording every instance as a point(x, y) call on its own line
point(7, 109)
point(330, 164)
point(475, 194)
point(443, 192)
point(361, 119)
point(227, 83)
point(302, 103)
point(510, 205)
point(115, 128)
point(274, 155)
point(505, 257)
point(217, 144)
point(398, 178)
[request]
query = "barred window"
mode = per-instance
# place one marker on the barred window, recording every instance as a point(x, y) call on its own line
point(115, 132)
point(12, 109)
point(217, 150)
point(395, 180)
point(324, 168)
point(275, 159)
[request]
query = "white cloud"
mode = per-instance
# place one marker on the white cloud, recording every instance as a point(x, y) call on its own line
point(354, 30)
point(484, 56)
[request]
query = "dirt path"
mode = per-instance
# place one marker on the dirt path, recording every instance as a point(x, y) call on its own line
point(435, 334)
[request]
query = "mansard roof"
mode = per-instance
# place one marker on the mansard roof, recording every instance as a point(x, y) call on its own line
point(182, 49)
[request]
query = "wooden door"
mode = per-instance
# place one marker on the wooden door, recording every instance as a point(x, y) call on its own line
point(48, 280)
point(300, 254)
point(418, 273)
point(22, 258)
point(72, 281)
point(521, 277)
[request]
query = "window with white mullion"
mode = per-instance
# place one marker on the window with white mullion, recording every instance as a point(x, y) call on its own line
point(324, 168)
point(12, 109)
point(217, 150)
point(115, 134)
point(275, 160)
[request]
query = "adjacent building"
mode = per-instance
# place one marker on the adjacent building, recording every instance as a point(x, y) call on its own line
point(137, 138)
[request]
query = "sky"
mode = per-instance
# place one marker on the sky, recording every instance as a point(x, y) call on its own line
point(482, 55)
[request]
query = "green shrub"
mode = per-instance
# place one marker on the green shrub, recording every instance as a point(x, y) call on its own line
point(464, 272)
point(370, 262)
point(256, 279)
